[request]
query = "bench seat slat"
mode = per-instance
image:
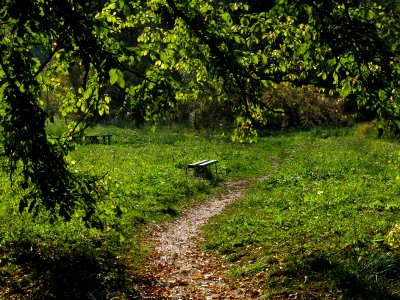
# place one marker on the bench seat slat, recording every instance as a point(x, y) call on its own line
point(209, 162)
point(197, 163)
point(203, 163)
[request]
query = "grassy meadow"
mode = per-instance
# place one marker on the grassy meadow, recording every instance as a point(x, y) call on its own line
point(324, 225)
point(145, 178)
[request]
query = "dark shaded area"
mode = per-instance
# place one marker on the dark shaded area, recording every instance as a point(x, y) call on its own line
point(257, 6)
point(79, 274)
point(208, 173)
point(353, 277)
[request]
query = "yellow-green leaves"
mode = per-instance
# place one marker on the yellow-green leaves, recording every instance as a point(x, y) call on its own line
point(393, 237)
point(116, 76)
point(227, 18)
point(103, 105)
point(346, 89)
point(164, 57)
point(254, 58)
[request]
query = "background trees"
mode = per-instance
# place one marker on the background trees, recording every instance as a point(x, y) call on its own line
point(161, 53)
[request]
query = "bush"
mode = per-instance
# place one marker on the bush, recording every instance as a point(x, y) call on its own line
point(302, 107)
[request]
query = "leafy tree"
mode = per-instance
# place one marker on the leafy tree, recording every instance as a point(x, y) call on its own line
point(162, 52)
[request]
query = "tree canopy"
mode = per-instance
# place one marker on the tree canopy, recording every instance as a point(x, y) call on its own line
point(162, 52)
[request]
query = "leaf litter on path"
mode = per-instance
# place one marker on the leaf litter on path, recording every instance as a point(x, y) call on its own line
point(178, 269)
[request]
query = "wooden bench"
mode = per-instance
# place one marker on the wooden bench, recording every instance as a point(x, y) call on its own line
point(94, 138)
point(203, 164)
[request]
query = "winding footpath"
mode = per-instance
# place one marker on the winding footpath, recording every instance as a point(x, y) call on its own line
point(179, 269)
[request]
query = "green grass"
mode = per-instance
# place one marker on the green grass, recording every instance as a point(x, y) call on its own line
point(145, 178)
point(325, 226)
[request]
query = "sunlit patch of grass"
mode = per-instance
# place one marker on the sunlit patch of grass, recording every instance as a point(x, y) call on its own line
point(321, 226)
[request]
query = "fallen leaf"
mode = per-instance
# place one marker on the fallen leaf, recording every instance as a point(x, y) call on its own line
point(254, 293)
point(198, 276)
point(181, 282)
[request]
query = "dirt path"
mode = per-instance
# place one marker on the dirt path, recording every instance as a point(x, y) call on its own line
point(178, 269)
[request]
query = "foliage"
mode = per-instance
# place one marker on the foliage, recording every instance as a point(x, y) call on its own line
point(302, 107)
point(324, 226)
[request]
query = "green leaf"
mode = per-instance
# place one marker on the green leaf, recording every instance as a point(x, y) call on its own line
point(87, 93)
point(227, 18)
point(116, 76)
point(346, 90)
point(264, 59)
point(113, 76)
point(245, 21)
point(254, 59)
point(120, 4)
point(163, 56)
point(335, 78)
point(238, 39)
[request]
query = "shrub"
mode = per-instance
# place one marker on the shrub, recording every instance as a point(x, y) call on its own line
point(302, 107)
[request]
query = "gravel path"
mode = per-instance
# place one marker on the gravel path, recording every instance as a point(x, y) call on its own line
point(178, 269)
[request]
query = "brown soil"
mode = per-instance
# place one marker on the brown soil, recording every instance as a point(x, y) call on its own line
point(179, 269)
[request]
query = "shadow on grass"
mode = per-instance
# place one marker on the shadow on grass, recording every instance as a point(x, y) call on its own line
point(371, 277)
point(208, 174)
point(79, 274)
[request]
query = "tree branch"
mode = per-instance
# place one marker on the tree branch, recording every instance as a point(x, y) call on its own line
point(48, 59)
